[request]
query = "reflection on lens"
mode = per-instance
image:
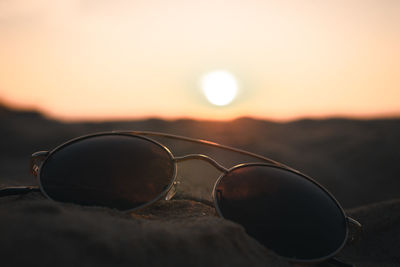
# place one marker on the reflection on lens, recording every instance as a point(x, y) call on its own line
point(283, 210)
point(113, 170)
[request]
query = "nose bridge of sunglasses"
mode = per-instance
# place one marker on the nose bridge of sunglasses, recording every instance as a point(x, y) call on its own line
point(203, 158)
point(176, 143)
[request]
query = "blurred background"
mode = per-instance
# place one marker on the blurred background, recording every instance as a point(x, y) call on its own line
point(313, 84)
point(357, 160)
point(86, 59)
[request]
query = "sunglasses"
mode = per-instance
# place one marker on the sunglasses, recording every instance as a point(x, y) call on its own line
point(283, 209)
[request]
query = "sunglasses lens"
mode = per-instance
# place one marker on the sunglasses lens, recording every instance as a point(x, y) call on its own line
point(283, 210)
point(113, 170)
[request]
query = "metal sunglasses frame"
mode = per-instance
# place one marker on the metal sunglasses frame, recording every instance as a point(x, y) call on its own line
point(38, 159)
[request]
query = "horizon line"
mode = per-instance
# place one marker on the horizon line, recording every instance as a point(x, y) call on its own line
point(105, 119)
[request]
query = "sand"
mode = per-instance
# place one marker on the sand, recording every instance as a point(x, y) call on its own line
point(34, 230)
point(37, 231)
point(379, 244)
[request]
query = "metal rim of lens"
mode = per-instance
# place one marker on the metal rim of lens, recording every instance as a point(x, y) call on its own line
point(316, 260)
point(74, 140)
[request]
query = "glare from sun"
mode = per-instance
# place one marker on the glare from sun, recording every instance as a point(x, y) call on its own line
point(219, 87)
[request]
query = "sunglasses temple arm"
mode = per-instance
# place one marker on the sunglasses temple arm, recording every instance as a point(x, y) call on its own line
point(18, 190)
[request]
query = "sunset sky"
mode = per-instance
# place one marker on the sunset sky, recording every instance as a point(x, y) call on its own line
point(109, 59)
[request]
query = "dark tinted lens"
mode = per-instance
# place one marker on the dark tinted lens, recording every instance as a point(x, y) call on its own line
point(283, 210)
point(113, 170)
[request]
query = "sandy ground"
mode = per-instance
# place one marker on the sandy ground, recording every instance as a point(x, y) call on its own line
point(379, 244)
point(36, 231)
point(177, 233)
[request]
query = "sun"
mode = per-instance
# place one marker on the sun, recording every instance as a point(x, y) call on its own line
point(219, 87)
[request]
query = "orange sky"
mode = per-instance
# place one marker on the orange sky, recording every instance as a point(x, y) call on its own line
point(96, 59)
